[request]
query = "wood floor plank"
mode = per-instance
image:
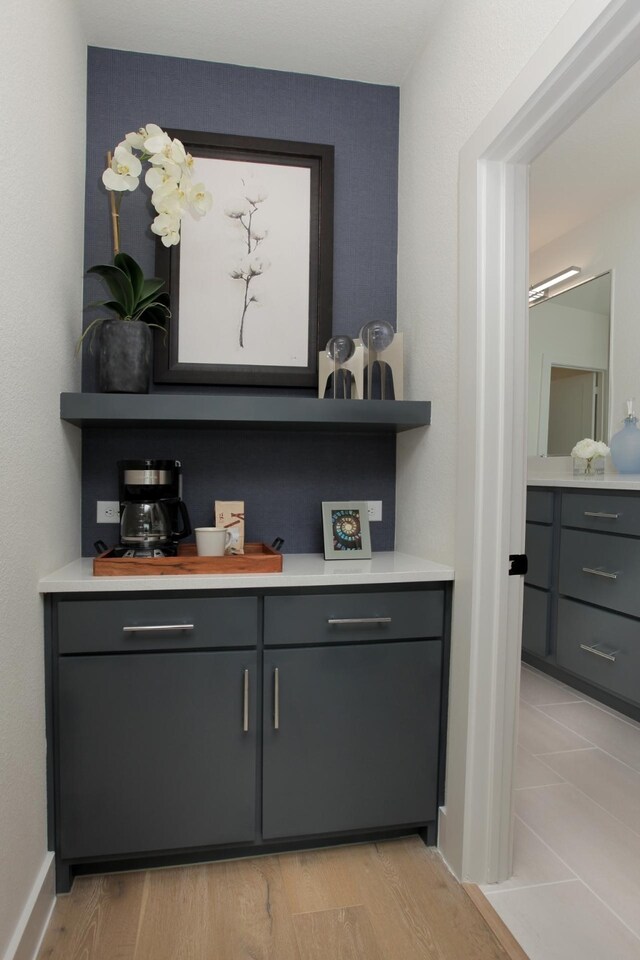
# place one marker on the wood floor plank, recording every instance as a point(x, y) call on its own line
point(343, 934)
point(418, 910)
point(220, 911)
point(388, 901)
point(98, 920)
point(495, 921)
point(175, 918)
point(319, 879)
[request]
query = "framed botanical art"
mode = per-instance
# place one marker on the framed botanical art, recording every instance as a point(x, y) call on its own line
point(251, 283)
point(345, 527)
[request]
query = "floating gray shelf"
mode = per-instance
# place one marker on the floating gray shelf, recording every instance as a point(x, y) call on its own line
point(243, 412)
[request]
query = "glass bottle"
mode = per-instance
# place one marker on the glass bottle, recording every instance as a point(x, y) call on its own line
point(625, 444)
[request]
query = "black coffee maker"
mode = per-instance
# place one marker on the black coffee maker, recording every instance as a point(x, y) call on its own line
point(153, 517)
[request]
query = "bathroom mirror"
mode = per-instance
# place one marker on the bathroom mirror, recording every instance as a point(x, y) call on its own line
point(569, 339)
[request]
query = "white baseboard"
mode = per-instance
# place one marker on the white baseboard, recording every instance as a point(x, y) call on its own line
point(442, 827)
point(33, 921)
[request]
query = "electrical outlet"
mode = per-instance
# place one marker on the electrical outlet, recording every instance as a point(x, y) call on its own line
point(375, 510)
point(107, 511)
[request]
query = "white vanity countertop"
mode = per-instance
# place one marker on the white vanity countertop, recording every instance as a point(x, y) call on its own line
point(558, 472)
point(607, 481)
point(299, 570)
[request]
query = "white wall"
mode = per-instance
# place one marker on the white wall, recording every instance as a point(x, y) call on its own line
point(560, 336)
point(42, 131)
point(611, 241)
point(475, 52)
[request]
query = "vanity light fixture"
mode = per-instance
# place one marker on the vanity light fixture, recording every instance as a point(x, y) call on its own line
point(539, 290)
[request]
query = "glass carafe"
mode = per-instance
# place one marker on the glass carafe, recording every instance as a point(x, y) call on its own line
point(144, 522)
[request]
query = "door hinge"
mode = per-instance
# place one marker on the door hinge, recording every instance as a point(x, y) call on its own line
point(519, 564)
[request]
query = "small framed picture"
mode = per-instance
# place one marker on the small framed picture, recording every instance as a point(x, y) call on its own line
point(346, 530)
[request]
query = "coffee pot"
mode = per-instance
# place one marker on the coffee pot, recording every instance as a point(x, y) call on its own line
point(152, 516)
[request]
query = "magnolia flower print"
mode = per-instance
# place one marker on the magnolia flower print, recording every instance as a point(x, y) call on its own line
point(243, 209)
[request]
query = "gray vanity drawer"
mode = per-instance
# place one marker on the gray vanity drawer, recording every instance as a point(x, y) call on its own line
point(538, 549)
point(611, 513)
point(352, 617)
point(102, 626)
point(616, 664)
point(539, 506)
point(535, 621)
point(601, 569)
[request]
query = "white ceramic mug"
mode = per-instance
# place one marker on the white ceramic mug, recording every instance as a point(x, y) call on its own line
point(212, 541)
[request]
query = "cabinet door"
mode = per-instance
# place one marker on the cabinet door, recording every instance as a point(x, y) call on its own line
point(153, 754)
point(355, 743)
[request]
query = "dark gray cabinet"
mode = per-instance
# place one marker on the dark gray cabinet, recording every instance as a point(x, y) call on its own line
point(581, 618)
point(350, 737)
point(155, 752)
point(192, 726)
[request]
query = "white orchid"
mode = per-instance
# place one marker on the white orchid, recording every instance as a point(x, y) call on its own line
point(199, 198)
point(124, 171)
point(168, 177)
point(167, 227)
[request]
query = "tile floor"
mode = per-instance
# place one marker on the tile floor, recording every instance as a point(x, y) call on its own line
point(575, 889)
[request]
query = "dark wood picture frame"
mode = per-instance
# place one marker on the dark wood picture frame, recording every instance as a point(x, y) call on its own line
point(319, 159)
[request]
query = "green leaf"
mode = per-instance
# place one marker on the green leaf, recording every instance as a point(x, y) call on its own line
point(151, 293)
point(109, 304)
point(129, 266)
point(119, 284)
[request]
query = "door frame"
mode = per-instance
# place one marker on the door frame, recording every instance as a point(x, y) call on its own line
point(592, 46)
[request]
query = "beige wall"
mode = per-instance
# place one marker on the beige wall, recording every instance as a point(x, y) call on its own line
point(42, 131)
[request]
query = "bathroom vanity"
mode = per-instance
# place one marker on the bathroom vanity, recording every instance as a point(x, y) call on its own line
point(199, 717)
point(582, 592)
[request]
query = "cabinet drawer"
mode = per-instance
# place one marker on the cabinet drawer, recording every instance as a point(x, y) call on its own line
point(535, 621)
point(345, 618)
point(539, 506)
point(101, 626)
point(615, 665)
point(601, 569)
point(611, 513)
point(538, 549)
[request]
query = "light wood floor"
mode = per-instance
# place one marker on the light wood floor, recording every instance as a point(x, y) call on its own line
point(386, 901)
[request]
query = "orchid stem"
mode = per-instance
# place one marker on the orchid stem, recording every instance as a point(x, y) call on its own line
point(115, 215)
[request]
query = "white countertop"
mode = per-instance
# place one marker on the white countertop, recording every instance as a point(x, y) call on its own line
point(558, 472)
point(608, 481)
point(299, 570)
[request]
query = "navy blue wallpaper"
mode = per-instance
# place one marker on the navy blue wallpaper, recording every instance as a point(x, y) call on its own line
point(283, 477)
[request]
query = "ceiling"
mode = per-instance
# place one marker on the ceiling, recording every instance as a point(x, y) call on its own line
point(593, 165)
point(369, 40)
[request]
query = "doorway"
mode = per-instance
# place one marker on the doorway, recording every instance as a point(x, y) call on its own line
point(580, 60)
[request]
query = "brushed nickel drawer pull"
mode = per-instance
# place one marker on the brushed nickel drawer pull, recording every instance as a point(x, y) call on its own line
point(598, 653)
point(352, 620)
point(276, 699)
point(599, 572)
point(245, 704)
point(602, 516)
point(159, 628)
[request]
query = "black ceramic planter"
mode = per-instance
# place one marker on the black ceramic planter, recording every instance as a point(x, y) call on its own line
point(124, 361)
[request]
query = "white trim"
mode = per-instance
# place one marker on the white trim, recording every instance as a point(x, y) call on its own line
point(592, 46)
point(31, 927)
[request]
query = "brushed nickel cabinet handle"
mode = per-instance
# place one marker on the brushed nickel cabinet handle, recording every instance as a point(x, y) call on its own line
point(602, 516)
point(598, 653)
point(159, 628)
point(352, 620)
point(599, 572)
point(276, 699)
point(245, 703)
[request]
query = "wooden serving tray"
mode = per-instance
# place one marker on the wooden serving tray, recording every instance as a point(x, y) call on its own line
point(257, 558)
